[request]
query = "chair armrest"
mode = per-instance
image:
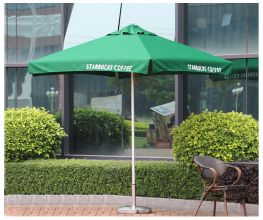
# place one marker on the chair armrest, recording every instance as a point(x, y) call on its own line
point(238, 173)
point(215, 174)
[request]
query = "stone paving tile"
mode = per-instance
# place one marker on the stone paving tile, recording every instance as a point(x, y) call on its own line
point(47, 211)
point(76, 211)
point(17, 211)
point(32, 211)
point(92, 211)
point(85, 211)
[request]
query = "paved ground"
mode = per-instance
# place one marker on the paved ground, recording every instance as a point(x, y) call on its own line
point(90, 211)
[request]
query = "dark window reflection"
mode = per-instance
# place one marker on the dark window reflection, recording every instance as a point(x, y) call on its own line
point(22, 89)
point(206, 92)
point(11, 90)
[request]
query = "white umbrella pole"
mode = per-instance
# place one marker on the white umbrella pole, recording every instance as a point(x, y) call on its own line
point(133, 145)
point(133, 208)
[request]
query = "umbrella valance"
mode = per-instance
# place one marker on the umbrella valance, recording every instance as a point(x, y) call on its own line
point(132, 49)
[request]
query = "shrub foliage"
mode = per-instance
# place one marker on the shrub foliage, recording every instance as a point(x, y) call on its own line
point(227, 136)
point(31, 133)
point(100, 177)
point(108, 177)
point(99, 131)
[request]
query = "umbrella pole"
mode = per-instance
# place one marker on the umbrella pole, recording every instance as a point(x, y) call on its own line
point(133, 145)
point(133, 208)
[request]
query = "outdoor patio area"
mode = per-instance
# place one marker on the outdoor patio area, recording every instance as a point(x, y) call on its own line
point(107, 205)
point(120, 109)
point(94, 211)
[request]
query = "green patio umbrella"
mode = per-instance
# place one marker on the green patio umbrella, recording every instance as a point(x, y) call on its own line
point(242, 68)
point(132, 50)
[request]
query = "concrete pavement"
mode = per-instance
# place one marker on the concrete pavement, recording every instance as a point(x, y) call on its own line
point(107, 205)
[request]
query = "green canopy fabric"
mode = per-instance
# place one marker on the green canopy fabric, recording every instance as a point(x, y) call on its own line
point(132, 49)
point(239, 70)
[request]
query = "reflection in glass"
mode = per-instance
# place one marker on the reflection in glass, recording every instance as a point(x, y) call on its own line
point(40, 86)
point(237, 94)
point(11, 33)
point(217, 28)
point(252, 10)
point(11, 91)
point(22, 89)
point(33, 30)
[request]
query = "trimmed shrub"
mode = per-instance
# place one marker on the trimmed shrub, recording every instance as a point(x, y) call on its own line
point(227, 136)
point(99, 177)
point(98, 131)
point(89, 177)
point(31, 133)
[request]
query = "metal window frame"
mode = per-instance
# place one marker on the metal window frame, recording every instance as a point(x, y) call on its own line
point(180, 80)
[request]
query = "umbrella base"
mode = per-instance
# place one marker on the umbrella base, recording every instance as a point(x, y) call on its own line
point(131, 210)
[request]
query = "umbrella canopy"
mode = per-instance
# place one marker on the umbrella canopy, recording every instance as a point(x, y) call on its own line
point(132, 49)
point(125, 52)
point(242, 69)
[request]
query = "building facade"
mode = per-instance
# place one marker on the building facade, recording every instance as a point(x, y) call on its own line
point(228, 30)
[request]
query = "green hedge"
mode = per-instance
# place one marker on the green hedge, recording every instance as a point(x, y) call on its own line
point(98, 131)
point(228, 136)
point(31, 133)
point(75, 176)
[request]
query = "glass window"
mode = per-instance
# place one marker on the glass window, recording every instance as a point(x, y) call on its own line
point(33, 30)
point(10, 86)
point(100, 93)
point(252, 24)
point(217, 28)
point(11, 33)
point(22, 89)
point(239, 93)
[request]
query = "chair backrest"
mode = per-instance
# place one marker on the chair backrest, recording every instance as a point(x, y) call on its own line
point(211, 162)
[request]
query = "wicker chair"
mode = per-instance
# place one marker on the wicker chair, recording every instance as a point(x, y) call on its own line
point(211, 169)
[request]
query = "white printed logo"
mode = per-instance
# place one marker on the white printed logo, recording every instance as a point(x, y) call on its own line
point(109, 67)
point(206, 69)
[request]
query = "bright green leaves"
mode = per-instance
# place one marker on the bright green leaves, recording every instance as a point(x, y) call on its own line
point(31, 133)
point(227, 136)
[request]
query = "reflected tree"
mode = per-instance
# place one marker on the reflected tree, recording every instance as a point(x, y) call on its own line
point(224, 86)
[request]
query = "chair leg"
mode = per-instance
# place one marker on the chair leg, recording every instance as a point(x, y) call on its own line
point(214, 210)
point(225, 202)
point(243, 204)
point(202, 199)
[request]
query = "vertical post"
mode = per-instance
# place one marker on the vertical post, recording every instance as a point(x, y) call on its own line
point(119, 22)
point(133, 145)
point(180, 80)
point(246, 48)
point(67, 112)
point(52, 104)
